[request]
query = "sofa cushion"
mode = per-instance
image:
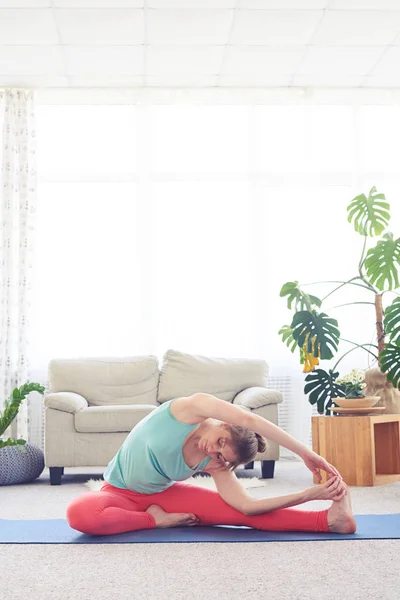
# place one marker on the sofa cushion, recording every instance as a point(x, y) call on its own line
point(186, 374)
point(256, 397)
point(107, 381)
point(110, 419)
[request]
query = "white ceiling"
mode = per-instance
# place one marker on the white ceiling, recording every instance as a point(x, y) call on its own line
point(199, 43)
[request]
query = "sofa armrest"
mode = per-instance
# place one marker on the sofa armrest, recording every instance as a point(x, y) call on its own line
point(255, 397)
point(65, 401)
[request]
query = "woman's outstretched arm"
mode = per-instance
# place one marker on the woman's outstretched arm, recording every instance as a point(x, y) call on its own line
point(234, 494)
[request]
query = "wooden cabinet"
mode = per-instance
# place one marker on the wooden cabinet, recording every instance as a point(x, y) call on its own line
point(365, 449)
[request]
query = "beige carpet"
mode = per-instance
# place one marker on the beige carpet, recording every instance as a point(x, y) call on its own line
point(277, 570)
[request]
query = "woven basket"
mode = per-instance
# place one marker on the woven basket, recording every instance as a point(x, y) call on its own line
point(20, 466)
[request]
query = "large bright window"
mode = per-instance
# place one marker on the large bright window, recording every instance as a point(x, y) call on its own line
point(171, 226)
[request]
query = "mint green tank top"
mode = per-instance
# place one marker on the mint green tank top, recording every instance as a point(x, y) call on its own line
point(150, 460)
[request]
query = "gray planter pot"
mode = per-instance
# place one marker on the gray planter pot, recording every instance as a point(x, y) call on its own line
point(18, 466)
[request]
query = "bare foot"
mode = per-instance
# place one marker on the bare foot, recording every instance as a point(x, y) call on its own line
point(164, 519)
point(340, 515)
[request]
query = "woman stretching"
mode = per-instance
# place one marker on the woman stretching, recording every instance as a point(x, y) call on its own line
point(142, 488)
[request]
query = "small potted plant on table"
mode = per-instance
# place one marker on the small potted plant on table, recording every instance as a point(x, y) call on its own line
point(353, 386)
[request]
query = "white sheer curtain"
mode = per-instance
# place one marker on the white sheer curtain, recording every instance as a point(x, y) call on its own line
point(175, 226)
point(17, 210)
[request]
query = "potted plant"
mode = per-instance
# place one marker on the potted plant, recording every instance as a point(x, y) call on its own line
point(354, 385)
point(316, 335)
point(19, 460)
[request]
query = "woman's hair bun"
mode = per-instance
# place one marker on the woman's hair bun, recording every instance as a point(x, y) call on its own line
point(262, 443)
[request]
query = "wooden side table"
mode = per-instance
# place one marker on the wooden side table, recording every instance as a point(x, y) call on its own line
point(365, 449)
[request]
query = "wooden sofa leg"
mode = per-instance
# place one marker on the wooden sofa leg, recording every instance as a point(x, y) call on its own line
point(249, 465)
point(55, 475)
point(267, 469)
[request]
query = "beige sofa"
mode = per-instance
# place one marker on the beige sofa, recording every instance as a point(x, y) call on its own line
point(94, 403)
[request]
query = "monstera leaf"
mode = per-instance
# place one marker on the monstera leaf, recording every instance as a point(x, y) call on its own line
point(319, 331)
point(381, 263)
point(391, 321)
point(322, 387)
point(302, 299)
point(370, 215)
point(389, 360)
point(287, 337)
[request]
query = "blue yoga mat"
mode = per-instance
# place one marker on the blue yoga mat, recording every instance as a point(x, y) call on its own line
point(57, 531)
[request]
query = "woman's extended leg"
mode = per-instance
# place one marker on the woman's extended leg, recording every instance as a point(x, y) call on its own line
point(213, 510)
point(114, 510)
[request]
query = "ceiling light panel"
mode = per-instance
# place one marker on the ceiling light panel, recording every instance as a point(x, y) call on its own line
point(357, 28)
point(100, 27)
point(350, 61)
point(190, 26)
point(25, 27)
point(262, 59)
point(189, 59)
point(264, 27)
point(95, 60)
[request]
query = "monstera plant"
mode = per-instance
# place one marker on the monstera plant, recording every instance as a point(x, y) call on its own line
point(316, 335)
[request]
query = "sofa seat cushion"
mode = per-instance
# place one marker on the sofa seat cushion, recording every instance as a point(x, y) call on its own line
point(110, 419)
point(186, 374)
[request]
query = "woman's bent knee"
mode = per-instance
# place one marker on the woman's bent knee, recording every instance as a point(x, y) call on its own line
point(81, 515)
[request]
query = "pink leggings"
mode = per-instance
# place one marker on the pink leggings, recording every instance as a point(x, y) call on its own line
point(114, 510)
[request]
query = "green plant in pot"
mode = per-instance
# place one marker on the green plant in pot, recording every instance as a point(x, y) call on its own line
point(353, 386)
point(316, 335)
